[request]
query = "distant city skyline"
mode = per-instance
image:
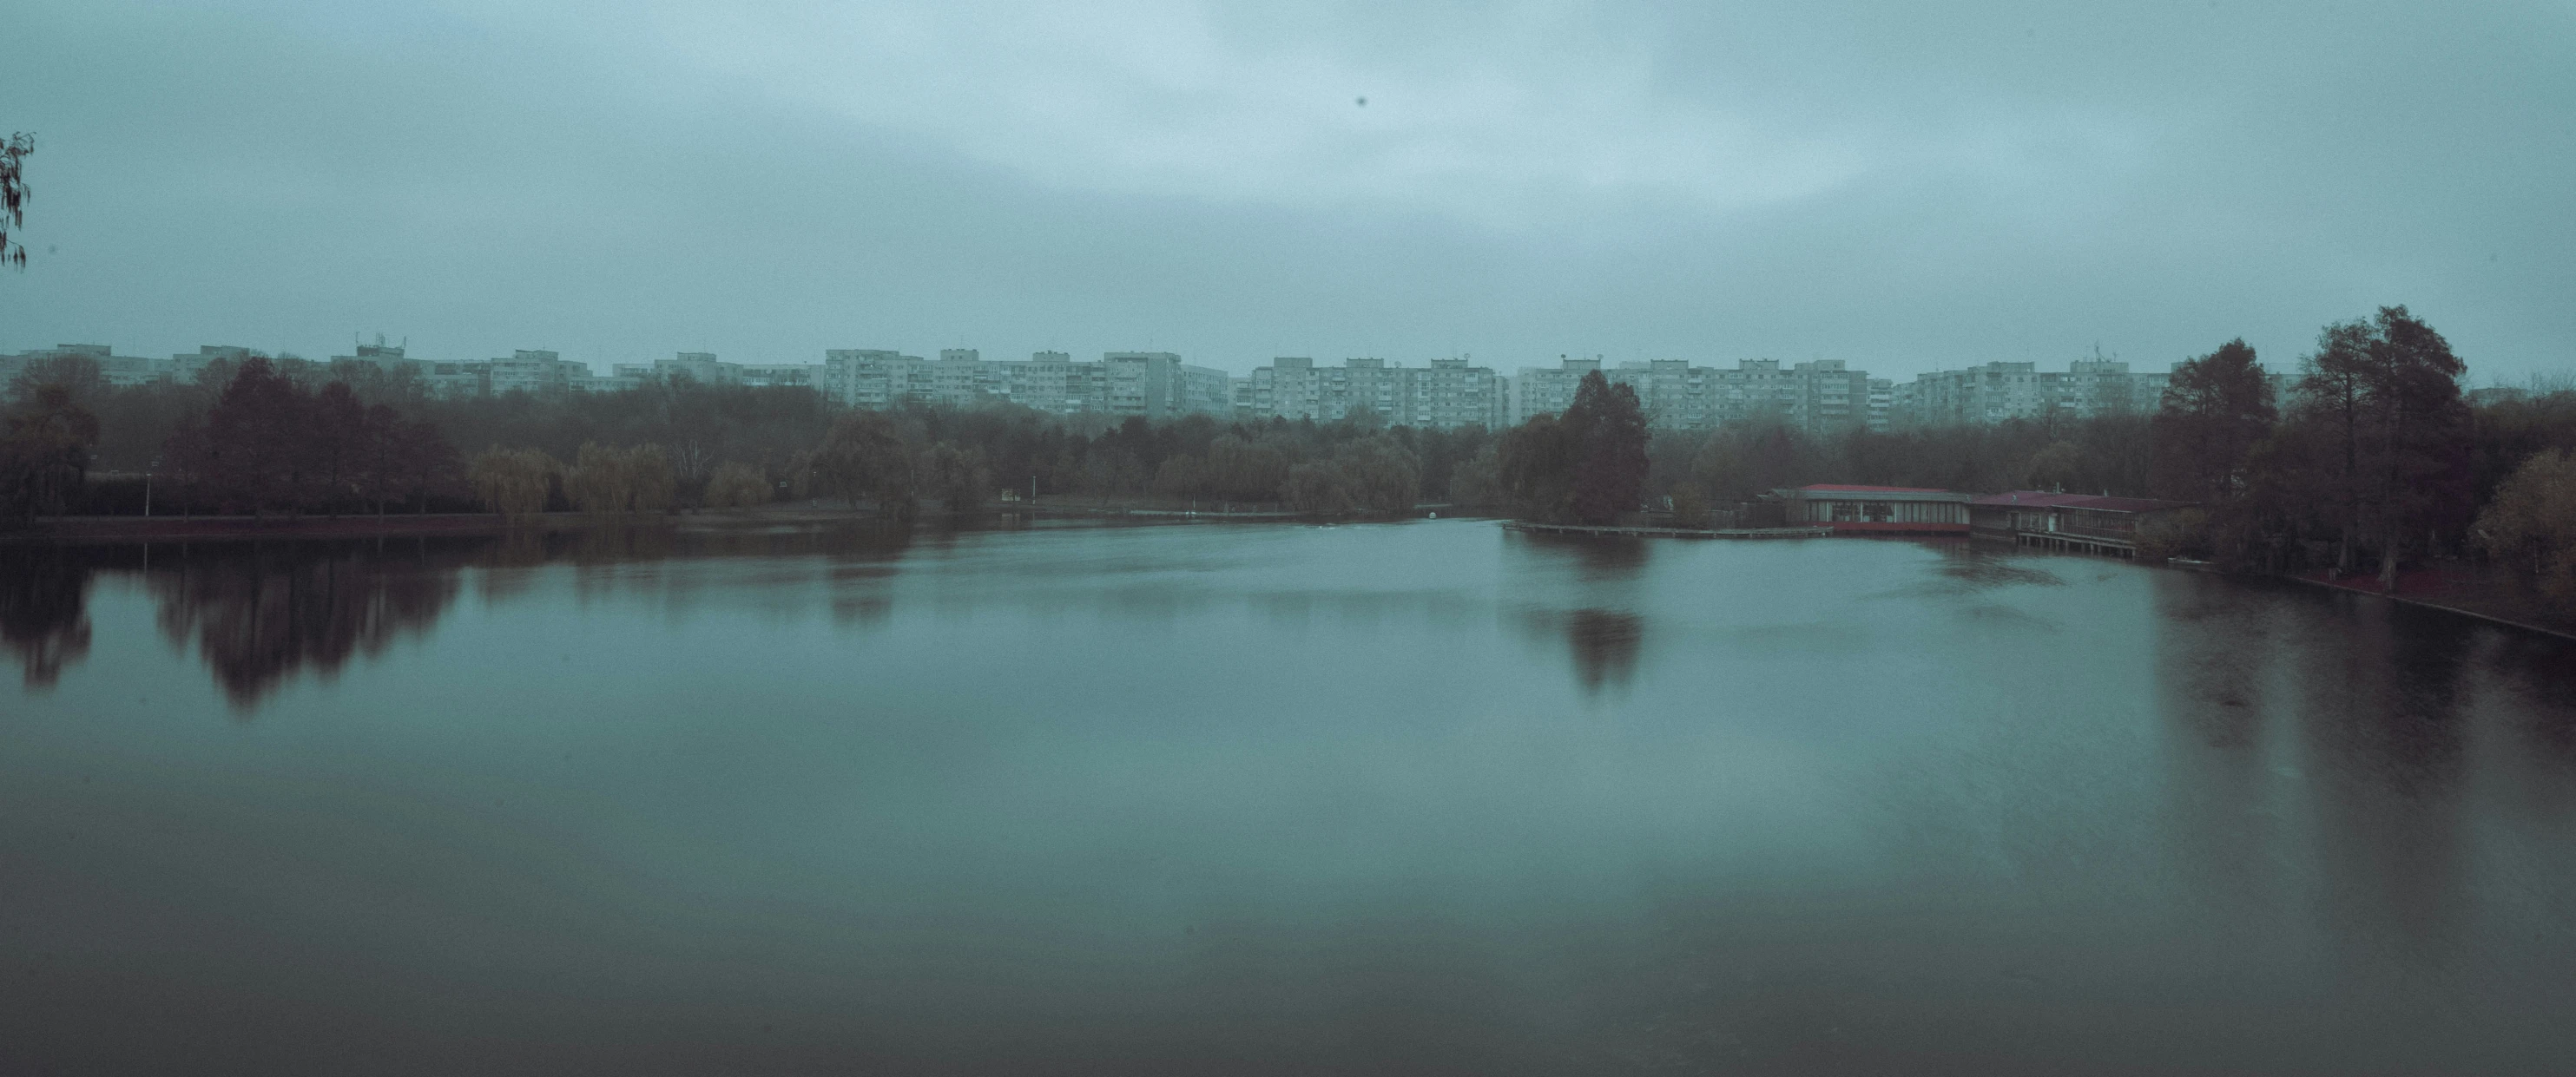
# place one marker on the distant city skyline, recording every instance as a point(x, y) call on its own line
point(604, 362)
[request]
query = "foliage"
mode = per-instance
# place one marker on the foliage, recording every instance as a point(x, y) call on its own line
point(1535, 463)
point(2215, 410)
point(265, 442)
point(45, 443)
point(2053, 466)
point(1690, 506)
point(1610, 475)
point(699, 426)
point(1478, 482)
point(2531, 524)
point(13, 195)
point(863, 458)
point(1379, 474)
point(1588, 464)
point(515, 482)
point(611, 481)
point(1744, 462)
point(2173, 535)
point(737, 485)
point(1375, 474)
point(959, 478)
point(2393, 457)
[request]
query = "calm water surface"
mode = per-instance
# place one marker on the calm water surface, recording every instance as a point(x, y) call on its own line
point(1414, 798)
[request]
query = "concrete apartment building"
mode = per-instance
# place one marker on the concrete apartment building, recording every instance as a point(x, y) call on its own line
point(521, 371)
point(1998, 391)
point(1158, 385)
point(1449, 393)
point(1054, 383)
point(1155, 385)
point(532, 372)
point(706, 369)
point(1538, 390)
point(1820, 396)
point(114, 369)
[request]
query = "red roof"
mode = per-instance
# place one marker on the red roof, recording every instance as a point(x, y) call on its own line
point(2039, 498)
point(2045, 500)
point(1836, 488)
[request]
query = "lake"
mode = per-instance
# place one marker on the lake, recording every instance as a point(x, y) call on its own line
point(1424, 797)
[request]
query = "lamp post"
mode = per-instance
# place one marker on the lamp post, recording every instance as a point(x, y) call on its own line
point(147, 486)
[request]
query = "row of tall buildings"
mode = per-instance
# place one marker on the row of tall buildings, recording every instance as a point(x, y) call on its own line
point(1821, 396)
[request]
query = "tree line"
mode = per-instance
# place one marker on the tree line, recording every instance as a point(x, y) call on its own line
point(2366, 453)
point(284, 435)
point(2363, 454)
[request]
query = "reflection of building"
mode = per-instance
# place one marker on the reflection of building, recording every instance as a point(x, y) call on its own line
point(2076, 523)
point(1882, 509)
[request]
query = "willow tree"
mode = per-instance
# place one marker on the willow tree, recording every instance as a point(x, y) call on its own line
point(601, 480)
point(515, 482)
point(737, 485)
point(2531, 523)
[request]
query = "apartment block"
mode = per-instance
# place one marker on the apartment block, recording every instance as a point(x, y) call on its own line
point(2000, 391)
point(1448, 394)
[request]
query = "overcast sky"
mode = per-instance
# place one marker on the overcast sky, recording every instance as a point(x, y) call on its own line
point(1905, 186)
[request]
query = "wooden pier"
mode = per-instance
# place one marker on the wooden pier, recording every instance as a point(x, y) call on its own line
point(1670, 532)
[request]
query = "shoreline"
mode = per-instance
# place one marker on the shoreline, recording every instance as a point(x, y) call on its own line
point(120, 529)
point(127, 529)
point(2425, 602)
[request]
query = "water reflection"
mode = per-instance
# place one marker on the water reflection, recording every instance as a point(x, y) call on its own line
point(1278, 799)
point(260, 615)
point(2385, 746)
point(1587, 590)
point(44, 593)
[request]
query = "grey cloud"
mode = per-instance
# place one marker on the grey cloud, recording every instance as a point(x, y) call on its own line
point(1904, 186)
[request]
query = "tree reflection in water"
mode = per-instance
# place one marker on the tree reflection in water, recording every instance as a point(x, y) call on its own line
point(261, 614)
point(1605, 646)
point(262, 611)
point(44, 617)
